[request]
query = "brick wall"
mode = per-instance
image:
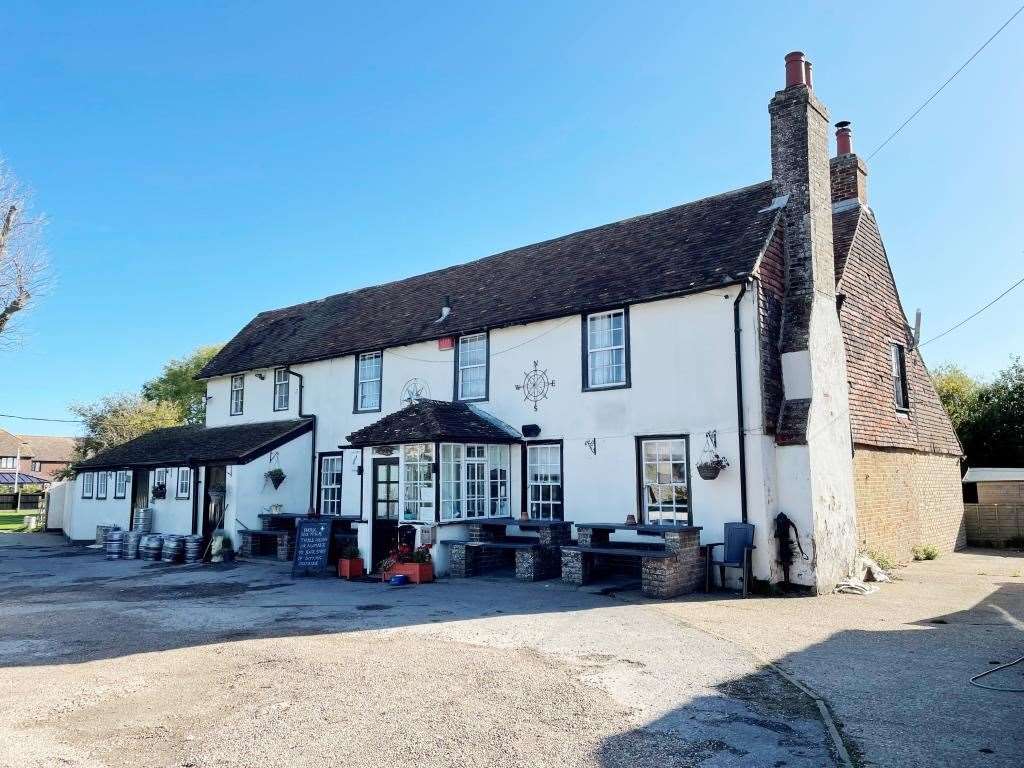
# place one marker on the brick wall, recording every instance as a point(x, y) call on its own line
point(905, 499)
point(1009, 492)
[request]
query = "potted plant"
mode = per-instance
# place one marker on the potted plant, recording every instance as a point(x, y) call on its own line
point(350, 565)
point(160, 491)
point(276, 476)
point(710, 467)
point(414, 564)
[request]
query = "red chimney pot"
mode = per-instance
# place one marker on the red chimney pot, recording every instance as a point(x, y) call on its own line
point(844, 138)
point(796, 72)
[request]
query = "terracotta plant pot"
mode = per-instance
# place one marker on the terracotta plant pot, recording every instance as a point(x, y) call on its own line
point(350, 567)
point(418, 573)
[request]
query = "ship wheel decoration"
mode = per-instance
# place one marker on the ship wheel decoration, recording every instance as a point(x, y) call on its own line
point(536, 385)
point(414, 391)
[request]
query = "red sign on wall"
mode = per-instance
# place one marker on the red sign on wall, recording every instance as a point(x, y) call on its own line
point(446, 342)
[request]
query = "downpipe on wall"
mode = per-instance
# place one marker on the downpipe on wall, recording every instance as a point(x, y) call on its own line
point(740, 421)
point(312, 458)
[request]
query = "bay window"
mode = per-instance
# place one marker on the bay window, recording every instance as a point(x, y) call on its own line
point(474, 481)
point(544, 481)
point(606, 350)
point(418, 482)
point(664, 475)
point(369, 367)
point(471, 367)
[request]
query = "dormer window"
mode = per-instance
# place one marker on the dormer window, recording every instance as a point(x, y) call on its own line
point(898, 359)
point(237, 394)
point(471, 367)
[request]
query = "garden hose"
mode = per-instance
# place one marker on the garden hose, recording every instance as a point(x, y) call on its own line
point(974, 680)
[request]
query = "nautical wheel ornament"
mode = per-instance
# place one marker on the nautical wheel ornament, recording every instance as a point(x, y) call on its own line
point(536, 385)
point(414, 391)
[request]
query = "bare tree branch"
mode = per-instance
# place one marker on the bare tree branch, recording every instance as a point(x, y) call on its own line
point(23, 268)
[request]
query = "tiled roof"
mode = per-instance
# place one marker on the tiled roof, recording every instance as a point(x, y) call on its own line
point(174, 446)
point(50, 448)
point(428, 420)
point(681, 250)
point(872, 317)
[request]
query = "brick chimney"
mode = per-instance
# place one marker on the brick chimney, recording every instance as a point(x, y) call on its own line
point(813, 453)
point(848, 173)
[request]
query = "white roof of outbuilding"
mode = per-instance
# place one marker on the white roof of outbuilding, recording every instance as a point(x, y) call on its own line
point(993, 474)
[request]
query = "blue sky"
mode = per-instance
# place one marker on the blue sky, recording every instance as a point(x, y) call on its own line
point(199, 165)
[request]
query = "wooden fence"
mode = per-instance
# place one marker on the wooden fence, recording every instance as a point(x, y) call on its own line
point(994, 524)
point(30, 502)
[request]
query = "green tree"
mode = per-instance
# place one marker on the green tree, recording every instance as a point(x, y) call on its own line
point(177, 385)
point(116, 419)
point(958, 392)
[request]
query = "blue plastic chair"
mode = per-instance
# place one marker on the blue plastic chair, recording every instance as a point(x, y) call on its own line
point(736, 549)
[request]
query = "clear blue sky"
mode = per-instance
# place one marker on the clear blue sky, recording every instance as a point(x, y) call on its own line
point(198, 166)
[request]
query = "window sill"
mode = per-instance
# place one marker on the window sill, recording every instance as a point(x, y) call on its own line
point(607, 387)
point(357, 411)
point(483, 399)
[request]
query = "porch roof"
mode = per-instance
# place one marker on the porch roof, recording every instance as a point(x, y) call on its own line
point(426, 421)
point(195, 445)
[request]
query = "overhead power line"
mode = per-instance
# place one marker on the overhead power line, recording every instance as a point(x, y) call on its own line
point(971, 317)
point(952, 77)
point(40, 418)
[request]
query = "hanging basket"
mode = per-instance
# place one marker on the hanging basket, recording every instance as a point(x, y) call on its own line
point(276, 477)
point(709, 470)
point(711, 463)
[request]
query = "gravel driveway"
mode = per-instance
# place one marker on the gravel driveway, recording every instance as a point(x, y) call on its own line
point(131, 663)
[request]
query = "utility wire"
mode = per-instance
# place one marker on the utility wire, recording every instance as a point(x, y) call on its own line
point(40, 418)
point(971, 317)
point(941, 87)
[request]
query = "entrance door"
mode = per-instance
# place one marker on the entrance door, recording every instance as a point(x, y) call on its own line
point(385, 508)
point(213, 506)
point(140, 493)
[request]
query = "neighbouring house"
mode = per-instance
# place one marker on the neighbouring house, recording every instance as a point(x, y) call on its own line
point(995, 485)
point(41, 455)
point(583, 379)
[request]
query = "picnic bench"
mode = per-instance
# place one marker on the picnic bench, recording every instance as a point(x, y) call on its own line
point(668, 568)
point(489, 547)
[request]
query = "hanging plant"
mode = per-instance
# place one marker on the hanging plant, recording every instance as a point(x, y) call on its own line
point(276, 476)
point(711, 463)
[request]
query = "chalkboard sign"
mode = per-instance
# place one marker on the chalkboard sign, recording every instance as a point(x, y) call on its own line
point(312, 540)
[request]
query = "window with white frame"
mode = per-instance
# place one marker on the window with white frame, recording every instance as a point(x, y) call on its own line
point(161, 477)
point(898, 359)
point(544, 481)
point(474, 481)
point(121, 484)
point(88, 480)
point(281, 385)
point(472, 367)
point(37, 466)
point(666, 488)
point(368, 381)
point(8, 462)
point(418, 482)
point(237, 394)
point(101, 485)
point(184, 479)
point(606, 338)
point(330, 485)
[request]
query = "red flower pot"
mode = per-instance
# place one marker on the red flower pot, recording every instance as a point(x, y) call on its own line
point(418, 573)
point(350, 568)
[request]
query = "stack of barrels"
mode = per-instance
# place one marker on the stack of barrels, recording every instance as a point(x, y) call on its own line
point(144, 520)
point(114, 542)
point(193, 549)
point(130, 549)
point(150, 546)
point(174, 548)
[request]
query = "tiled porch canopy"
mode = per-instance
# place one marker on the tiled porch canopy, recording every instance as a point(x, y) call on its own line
point(428, 421)
point(192, 445)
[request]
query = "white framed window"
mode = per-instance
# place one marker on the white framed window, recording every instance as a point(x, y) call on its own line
point(498, 481)
point(160, 477)
point(418, 482)
point(88, 480)
point(471, 367)
point(606, 338)
point(898, 360)
point(37, 466)
point(237, 394)
point(101, 485)
point(369, 366)
point(330, 484)
point(8, 462)
point(282, 380)
point(121, 484)
point(544, 481)
point(474, 481)
point(665, 477)
point(184, 479)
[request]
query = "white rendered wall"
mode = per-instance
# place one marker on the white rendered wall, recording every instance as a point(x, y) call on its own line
point(683, 382)
point(171, 514)
point(84, 515)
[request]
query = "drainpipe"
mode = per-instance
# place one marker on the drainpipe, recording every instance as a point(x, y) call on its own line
point(312, 458)
point(739, 404)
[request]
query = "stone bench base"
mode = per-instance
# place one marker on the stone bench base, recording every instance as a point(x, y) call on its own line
point(677, 570)
point(532, 562)
point(277, 544)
